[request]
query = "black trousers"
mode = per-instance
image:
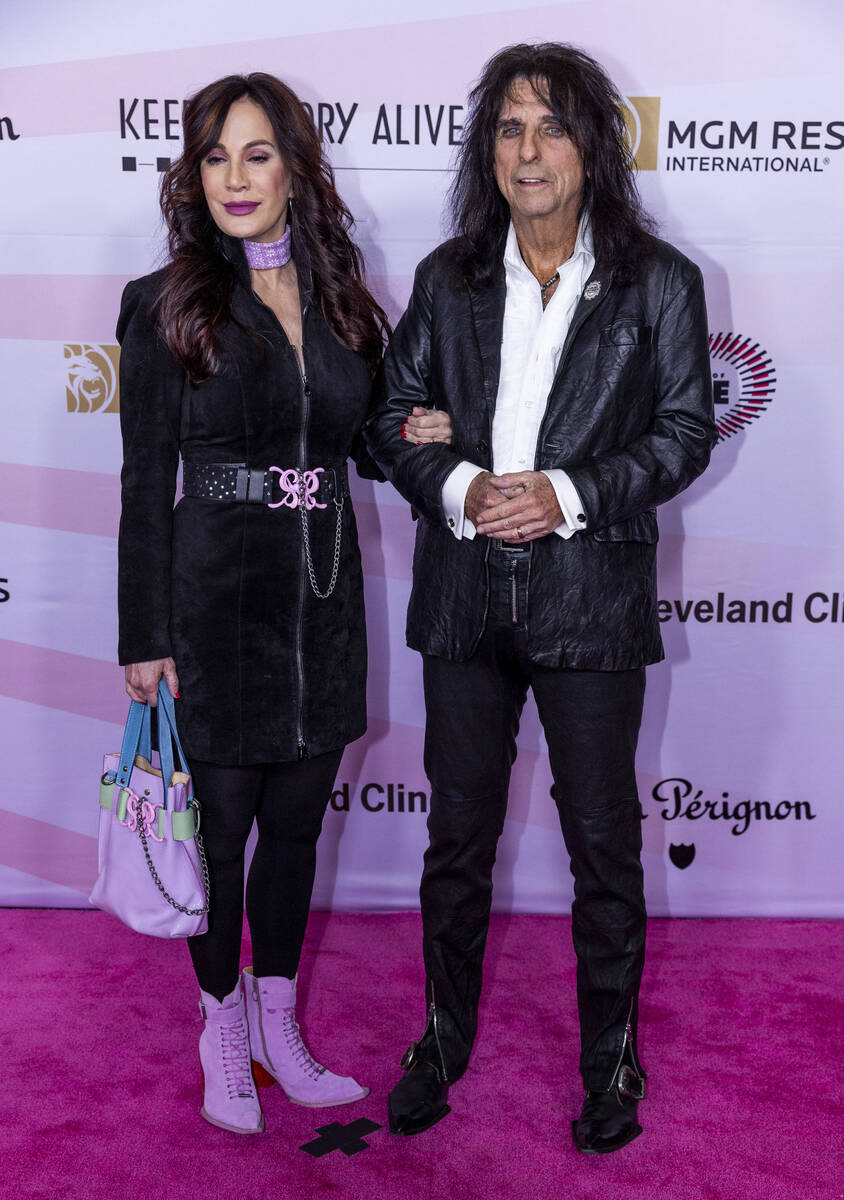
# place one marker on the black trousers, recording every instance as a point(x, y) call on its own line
point(591, 721)
point(288, 800)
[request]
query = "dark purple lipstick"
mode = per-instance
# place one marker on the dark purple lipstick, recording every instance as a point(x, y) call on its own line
point(241, 208)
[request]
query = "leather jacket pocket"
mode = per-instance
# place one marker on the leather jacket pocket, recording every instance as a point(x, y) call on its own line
point(641, 528)
point(626, 334)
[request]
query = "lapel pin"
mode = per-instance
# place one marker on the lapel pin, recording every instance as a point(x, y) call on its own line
point(592, 290)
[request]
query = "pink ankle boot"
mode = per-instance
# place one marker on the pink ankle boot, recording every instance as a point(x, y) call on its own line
point(231, 1098)
point(278, 1052)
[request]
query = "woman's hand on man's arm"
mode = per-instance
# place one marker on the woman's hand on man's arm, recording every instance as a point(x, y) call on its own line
point(427, 425)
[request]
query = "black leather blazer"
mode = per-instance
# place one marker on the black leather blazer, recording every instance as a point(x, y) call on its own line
point(629, 417)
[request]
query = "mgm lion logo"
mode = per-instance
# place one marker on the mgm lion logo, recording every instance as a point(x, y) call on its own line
point(641, 116)
point(92, 382)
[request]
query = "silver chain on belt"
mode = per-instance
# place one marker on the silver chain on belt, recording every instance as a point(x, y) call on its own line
point(338, 534)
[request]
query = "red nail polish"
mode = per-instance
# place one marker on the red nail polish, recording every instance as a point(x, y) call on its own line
point(404, 435)
point(178, 695)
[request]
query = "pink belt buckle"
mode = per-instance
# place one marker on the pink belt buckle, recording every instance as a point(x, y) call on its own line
point(298, 487)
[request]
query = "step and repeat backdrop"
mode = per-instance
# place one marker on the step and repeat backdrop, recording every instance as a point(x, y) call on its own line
point(736, 115)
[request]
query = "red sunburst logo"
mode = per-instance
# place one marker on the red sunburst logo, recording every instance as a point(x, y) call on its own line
point(743, 379)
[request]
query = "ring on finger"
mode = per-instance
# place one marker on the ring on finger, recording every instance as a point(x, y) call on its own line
point(519, 532)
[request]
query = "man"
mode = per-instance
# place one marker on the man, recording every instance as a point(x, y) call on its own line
point(569, 347)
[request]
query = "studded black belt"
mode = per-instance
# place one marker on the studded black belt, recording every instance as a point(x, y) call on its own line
point(277, 487)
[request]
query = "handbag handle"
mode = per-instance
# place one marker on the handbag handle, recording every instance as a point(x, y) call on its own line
point(145, 739)
point(169, 738)
point(137, 739)
point(133, 736)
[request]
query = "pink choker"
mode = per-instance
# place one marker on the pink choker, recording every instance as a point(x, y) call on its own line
point(263, 256)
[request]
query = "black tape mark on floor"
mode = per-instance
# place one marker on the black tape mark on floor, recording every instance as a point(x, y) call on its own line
point(346, 1138)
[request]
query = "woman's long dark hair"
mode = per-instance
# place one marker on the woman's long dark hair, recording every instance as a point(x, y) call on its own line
point(198, 281)
point(583, 98)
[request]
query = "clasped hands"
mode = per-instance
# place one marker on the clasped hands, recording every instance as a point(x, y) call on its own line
point(517, 507)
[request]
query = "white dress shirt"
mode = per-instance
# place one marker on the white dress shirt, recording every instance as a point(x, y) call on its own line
point(531, 344)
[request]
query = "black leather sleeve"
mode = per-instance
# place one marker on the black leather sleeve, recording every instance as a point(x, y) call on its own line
point(676, 446)
point(404, 380)
point(151, 384)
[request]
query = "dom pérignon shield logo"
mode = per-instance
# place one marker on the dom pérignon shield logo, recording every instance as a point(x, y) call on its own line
point(682, 856)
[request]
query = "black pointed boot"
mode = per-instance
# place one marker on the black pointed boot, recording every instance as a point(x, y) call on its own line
point(419, 1098)
point(608, 1119)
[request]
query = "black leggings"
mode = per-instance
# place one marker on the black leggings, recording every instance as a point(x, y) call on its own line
point(288, 800)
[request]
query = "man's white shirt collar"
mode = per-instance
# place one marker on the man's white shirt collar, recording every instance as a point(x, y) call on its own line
point(515, 265)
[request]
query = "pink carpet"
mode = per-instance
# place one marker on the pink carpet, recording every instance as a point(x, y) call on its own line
point(742, 1034)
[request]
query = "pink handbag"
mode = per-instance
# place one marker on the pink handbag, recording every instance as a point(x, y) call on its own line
point(152, 869)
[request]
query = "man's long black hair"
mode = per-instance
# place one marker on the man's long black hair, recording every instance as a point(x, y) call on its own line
point(583, 98)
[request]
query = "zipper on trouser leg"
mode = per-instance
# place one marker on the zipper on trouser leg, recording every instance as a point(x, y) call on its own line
point(628, 1036)
point(635, 1067)
point(432, 1017)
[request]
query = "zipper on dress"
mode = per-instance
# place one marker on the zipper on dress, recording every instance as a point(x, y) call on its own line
point(300, 662)
point(301, 744)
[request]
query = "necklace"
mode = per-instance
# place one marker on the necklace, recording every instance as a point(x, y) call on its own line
point(543, 287)
point(263, 256)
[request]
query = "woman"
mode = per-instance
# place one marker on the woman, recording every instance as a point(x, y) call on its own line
point(251, 354)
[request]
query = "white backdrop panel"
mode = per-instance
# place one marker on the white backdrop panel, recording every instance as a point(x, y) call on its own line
point(741, 144)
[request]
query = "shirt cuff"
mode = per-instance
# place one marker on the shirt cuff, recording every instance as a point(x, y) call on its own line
point(569, 501)
point(454, 498)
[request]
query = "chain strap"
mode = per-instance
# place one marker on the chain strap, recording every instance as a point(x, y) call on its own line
point(203, 862)
point(338, 534)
